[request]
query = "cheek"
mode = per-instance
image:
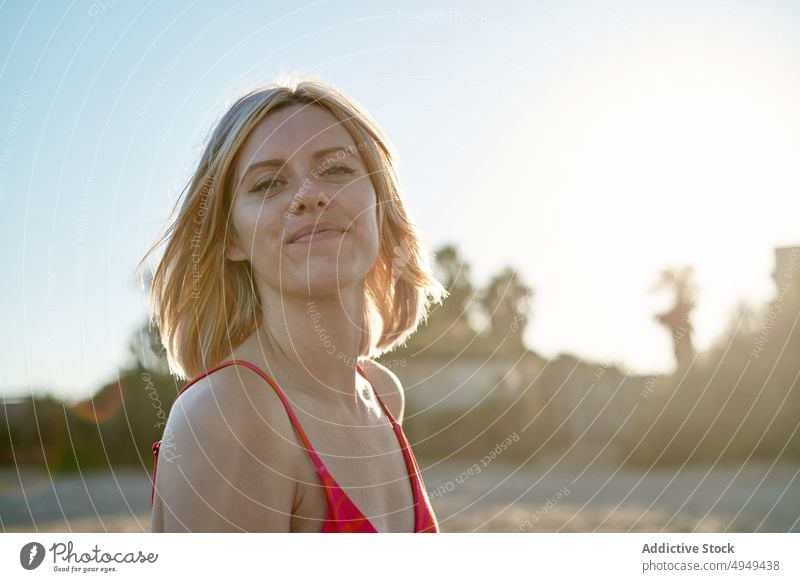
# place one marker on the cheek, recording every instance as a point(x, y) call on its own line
point(255, 228)
point(370, 232)
point(243, 229)
point(364, 225)
point(362, 203)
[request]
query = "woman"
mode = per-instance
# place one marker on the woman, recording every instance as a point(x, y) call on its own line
point(290, 264)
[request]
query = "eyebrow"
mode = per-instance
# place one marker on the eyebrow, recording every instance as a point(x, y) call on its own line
point(277, 162)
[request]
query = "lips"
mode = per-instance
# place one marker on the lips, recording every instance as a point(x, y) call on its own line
point(319, 231)
point(318, 235)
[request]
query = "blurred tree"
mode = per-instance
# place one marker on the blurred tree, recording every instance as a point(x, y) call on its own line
point(448, 328)
point(741, 399)
point(505, 301)
point(147, 351)
point(680, 281)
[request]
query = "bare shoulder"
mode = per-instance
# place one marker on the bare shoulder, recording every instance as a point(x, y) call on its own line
point(228, 457)
point(388, 386)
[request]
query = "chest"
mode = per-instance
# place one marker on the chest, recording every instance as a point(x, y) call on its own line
point(367, 463)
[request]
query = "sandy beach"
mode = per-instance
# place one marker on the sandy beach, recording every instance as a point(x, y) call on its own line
point(547, 496)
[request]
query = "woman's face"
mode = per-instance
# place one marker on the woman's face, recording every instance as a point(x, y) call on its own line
point(301, 168)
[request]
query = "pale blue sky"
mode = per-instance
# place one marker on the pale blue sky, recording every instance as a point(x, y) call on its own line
point(587, 144)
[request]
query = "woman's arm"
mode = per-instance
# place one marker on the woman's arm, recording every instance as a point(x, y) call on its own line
point(225, 463)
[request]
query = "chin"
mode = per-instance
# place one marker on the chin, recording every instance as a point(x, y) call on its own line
point(321, 281)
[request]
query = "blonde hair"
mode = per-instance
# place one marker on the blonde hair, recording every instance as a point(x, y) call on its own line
point(205, 305)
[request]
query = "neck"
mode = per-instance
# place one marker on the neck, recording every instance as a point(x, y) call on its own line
point(314, 340)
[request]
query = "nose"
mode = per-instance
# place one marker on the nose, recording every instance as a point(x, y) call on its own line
point(309, 195)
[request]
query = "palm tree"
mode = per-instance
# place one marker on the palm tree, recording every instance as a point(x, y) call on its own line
point(677, 319)
point(505, 301)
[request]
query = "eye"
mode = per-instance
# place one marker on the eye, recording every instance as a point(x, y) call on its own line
point(267, 185)
point(339, 170)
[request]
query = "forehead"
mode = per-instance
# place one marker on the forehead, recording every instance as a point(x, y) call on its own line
point(293, 132)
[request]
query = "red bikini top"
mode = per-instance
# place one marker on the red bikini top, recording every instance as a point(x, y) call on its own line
point(343, 515)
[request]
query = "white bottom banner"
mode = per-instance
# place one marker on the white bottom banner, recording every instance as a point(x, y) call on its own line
point(473, 556)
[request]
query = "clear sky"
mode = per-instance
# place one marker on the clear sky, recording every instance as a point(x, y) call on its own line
point(587, 144)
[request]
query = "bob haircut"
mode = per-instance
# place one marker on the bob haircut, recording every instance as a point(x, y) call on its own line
point(205, 304)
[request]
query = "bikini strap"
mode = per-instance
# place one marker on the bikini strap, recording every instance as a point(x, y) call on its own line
point(320, 466)
point(156, 446)
point(292, 416)
point(412, 466)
